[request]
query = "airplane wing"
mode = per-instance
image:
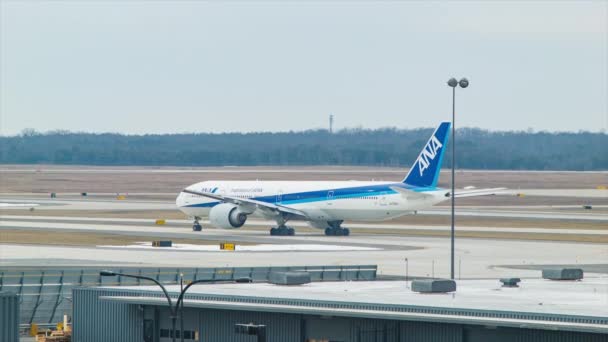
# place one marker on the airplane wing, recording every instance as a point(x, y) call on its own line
point(479, 192)
point(251, 204)
point(413, 195)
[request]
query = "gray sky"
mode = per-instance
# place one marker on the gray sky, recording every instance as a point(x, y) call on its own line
point(193, 66)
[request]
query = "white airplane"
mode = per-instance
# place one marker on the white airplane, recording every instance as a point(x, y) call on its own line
point(323, 204)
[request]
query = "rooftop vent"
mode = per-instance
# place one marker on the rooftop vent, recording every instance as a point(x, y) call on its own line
point(563, 273)
point(510, 282)
point(433, 285)
point(289, 278)
point(162, 243)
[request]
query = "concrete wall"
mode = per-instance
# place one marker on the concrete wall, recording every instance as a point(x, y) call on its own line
point(9, 317)
point(105, 321)
point(95, 320)
point(218, 326)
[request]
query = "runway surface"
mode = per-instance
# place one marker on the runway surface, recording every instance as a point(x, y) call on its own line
point(178, 228)
point(576, 193)
point(93, 204)
point(427, 256)
point(511, 213)
point(475, 258)
point(150, 205)
point(386, 244)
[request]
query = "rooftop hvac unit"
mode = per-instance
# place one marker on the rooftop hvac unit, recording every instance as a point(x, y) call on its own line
point(289, 278)
point(433, 285)
point(563, 273)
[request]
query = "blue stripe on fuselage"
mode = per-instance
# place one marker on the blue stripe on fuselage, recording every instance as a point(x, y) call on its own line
point(322, 195)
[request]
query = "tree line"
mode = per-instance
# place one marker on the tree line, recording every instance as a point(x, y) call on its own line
point(476, 148)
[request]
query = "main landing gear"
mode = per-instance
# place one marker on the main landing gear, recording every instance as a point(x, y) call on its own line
point(282, 231)
point(335, 229)
point(196, 227)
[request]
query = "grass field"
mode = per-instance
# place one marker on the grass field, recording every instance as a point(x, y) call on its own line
point(33, 178)
point(84, 239)
point(149, 183)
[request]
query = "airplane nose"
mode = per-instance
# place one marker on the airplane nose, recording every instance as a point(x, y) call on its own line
point(179, 201)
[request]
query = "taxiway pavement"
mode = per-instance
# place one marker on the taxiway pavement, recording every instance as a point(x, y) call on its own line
point(475, 258)
point(150, 205)
point(177, 228)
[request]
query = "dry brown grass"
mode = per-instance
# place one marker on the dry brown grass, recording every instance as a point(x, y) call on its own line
point(489, 235)
point(142, 214)
point(84, 238)
point(94, 239)
point(140, 179)
point(499, 222)
point(164, 186)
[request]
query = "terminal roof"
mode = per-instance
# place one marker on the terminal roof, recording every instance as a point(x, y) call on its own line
point(536, 300)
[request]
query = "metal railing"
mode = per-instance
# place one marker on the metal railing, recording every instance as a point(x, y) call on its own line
point(45, 293)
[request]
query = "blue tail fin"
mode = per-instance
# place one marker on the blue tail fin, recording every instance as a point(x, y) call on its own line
point(425, 171)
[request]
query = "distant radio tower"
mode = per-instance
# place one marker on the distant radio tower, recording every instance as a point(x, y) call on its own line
point(331, 123)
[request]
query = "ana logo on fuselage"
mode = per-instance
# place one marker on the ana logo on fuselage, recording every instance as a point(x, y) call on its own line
point(428, 154)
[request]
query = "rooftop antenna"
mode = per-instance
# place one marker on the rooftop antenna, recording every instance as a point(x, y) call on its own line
point(331, 123)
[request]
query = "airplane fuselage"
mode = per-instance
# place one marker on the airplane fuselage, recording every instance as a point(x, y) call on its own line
point(324, 204)
point(320, 200)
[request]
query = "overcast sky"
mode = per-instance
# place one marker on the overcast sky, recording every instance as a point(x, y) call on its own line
point(193, 66)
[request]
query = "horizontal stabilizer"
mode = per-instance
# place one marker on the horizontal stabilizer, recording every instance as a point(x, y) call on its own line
point(409, 194)
point(480, 192)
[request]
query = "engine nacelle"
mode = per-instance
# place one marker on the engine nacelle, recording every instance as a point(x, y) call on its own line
point(227, 216)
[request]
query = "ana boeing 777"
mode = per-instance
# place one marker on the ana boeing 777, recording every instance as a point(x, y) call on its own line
point(323, 204)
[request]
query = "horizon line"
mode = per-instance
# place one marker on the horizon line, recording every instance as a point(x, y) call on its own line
point(33, 132)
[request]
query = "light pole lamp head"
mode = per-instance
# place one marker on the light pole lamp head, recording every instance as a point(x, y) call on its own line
point(452, 82)
point(463, 83)
point(106, 273)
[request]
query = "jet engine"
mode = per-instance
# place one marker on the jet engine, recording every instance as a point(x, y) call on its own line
point(227, 216)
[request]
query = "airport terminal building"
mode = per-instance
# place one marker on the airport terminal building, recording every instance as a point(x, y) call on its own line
point(357, 311)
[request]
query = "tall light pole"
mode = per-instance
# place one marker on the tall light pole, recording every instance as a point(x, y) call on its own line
point(179, 305)
point(463, 83)
point(172, 310)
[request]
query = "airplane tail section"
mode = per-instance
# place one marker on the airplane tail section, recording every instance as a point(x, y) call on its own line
point(425, 170)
